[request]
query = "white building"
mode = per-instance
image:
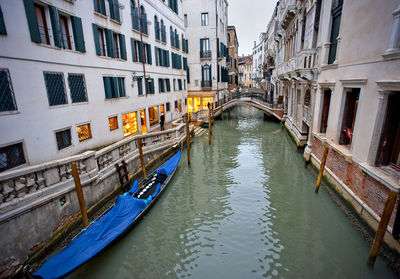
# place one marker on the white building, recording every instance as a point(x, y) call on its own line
point(206, 24)
point(258, 60)
point(72, 76)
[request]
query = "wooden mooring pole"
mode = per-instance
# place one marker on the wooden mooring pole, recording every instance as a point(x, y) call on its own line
point(222, 110)
point(139, 144)
point(79, 192)
point(212, 112)
point(209, 124)
point(380, 233)
point(321, 169)
point(187, 138)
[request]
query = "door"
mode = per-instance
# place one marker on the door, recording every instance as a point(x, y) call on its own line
point(143, 121)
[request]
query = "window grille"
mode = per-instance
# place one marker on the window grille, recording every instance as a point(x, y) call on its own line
point(11, 156)
point(55, 88)
point(84, 132)
point(7, 100)
point(77, 87)
point(63, 139)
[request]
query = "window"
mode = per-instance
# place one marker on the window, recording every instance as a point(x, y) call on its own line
point(161, 87)
point(149, 86)
point(84, 132)
point(206, 73)
point(349, 115)
point(307, 98)
point(113, 123)
point(129, 123)
point(42, 24)
point(176, 104)
point(389, 144)
point(174, 84)
point(143, 21)
point(101, 42)
point(204, 19)
point(109, 43)
point(7, 100)
point(135, 16)
point(100, 7)
point(11, 156)
point(63, 138)
point(229, 38)
point(336, 18)
point(154, 116)
point(168, 107)
point(156, 28)
point(115, 45)
point(114, 87)
point(114, 10)
point(140, 86)
point(65, 37)
point(185, 20)
point(77, 88)
point(55, 88)
point(173, 4)
point(179, 84)
point(168, 84)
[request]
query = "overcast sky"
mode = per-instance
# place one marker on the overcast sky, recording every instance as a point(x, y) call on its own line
point(250, 17)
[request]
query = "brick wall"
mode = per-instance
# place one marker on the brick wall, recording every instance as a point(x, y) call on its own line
point(369, 190)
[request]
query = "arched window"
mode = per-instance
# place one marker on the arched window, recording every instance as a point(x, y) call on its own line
point(156, 28)
point(307, 98)
point(206, 72)
point(142, 10)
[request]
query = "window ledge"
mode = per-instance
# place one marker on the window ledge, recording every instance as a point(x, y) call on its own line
point(100, 14)
point(389, 179)
point(391, 54)
point(58, 106)
point(9, 112)
point(115, 21)
point(329, 66)
point(342, 150)
point(117, 98)
point(80, 103)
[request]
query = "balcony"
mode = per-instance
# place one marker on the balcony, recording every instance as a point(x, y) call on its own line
point(206, 83)
point(205, 54)
point(302, 64)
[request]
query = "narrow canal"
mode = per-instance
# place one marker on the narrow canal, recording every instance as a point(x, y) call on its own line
point(245, 209)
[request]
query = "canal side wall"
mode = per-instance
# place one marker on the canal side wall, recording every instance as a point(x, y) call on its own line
point(366, 194)
point(40, 202)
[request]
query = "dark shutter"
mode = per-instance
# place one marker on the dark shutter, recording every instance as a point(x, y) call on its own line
point(168, 84)
point(107, 87)
point(135, 18)
point(116, 9)
point(3, 30)
point(151, 85)
point(140, 51)
point(102, 6)
point(114, 87)
point(334, 35)
point(148, 52)
point(109, 43)
point(140, 86)
point(201, 46)
point(134, 58)
point(56, 26)
point(121, 87)
point(32, 21)
point(122, 46)
point(167, 57)
point(156, 55)
point(78, 34)
point(96, 38)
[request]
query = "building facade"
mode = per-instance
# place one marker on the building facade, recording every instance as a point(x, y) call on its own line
point(206, 24)
point(78, 75)
point(258, 61)
point(232, 59)
point(245, 65)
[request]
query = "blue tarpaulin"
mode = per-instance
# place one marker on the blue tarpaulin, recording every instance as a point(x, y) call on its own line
point(102, 232)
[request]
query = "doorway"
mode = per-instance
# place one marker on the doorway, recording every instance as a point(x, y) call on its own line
point(143, 121)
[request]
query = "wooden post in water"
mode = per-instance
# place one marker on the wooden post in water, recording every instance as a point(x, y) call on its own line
point(380, 233)
point(222, 110)
point(188, 138)
point(81, 200)
point(212, 112)
point(209, 124)
point(139, 144)
point(321, 169)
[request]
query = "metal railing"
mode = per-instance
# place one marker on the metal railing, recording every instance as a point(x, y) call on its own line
point(205, 54)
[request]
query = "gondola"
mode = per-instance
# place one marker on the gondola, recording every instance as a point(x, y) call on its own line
point(117, 221)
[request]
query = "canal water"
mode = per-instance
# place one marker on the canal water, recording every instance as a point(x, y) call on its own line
point(245, 208)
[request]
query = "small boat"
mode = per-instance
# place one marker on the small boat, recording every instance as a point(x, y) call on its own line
point(125, 213)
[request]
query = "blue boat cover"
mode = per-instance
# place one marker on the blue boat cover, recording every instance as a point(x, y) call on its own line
point(102, 232)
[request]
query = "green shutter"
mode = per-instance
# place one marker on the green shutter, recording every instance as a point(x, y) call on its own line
point(134, 58)
point(122, 46)
point(96, 38)
point(107, 87)
point(102, 6)
point(121, 87)
point(167, 57)
point(140, 51)
point(32, 21)
point(155, 55)
point(152, 85)
point(148, 52)
point(116, 6)
point(109, 43)
point(140, 87)
point(168, 85)
point(55, 25)
point(78, 33)
point(114, 87)
point(3, 30)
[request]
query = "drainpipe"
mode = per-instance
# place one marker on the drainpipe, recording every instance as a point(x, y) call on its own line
point(143, 48)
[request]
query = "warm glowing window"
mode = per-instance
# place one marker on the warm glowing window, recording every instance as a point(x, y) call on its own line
point(207, 100)
point(113, 123)
point(129, 123)
point(197, 103)
point(154, 116)
point(190, 106)
point(84, 132)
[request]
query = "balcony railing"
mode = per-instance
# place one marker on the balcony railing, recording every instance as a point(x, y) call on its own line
point(206, 83)
point(205, 54)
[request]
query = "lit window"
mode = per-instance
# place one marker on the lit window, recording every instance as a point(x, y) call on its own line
point(154, 116)
point(113, 123)
point(84, 132)
point(129, 123)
